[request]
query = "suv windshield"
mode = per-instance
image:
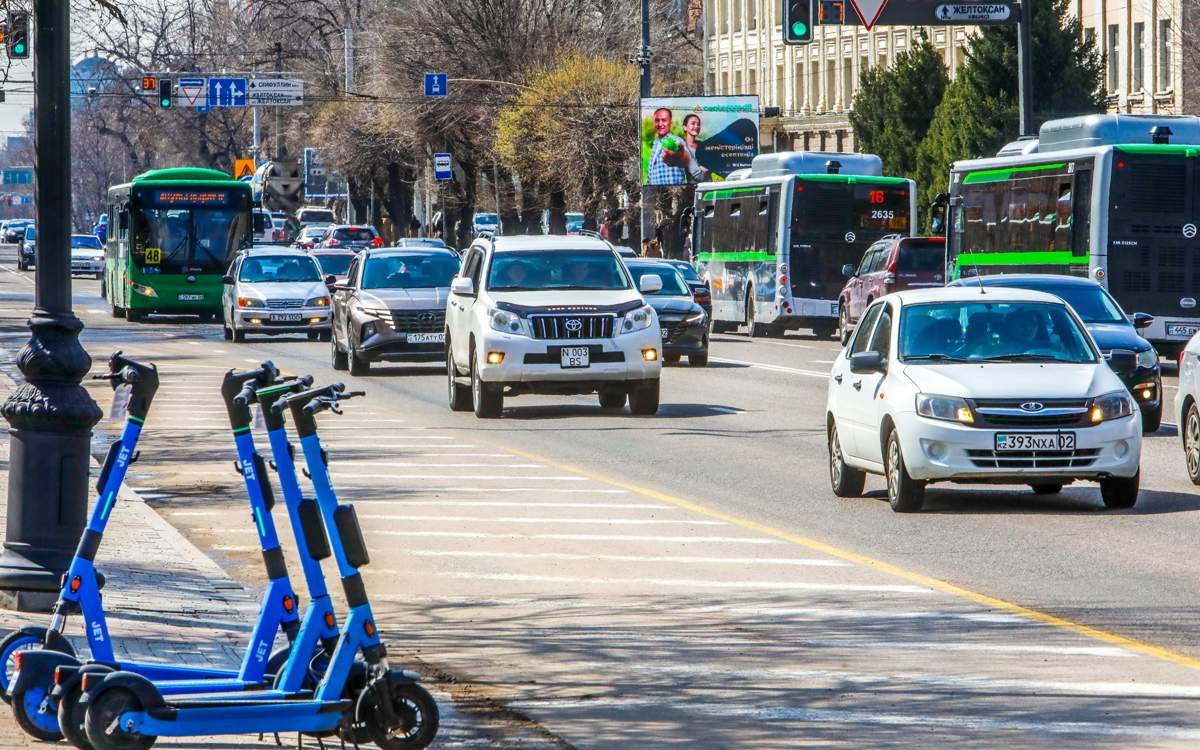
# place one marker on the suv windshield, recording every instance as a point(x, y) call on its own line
point(921, 256)
point(673, 285)
point(353, 234)
point(556, 269)
point(265, 269)
point(687, 271)
point(310, 215)
point(416, 271)
point(1091, 303)
point(86, 240)
point(992, 331)
point(336, 264)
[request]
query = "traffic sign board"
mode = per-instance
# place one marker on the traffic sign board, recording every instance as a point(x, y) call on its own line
point(973, 12)
point(275, 92)
point(915, 12)
point(243, 168)
point(868, 10)
point(442, 167)
point(226, 92)
point(436, 84)
point(192, 92)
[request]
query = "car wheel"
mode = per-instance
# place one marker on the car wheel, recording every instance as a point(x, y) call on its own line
point(905, 494)
point(1120, 492)
point(1191, 443)
point(459, 395)
point(844, 326)
point(237, 336)
point(699, 359)
point(612, 398)
point(358, 366)
point(1051, 488)
point(643, 399)
point(846, 481)
point(487, 398)
point(337, 357)
point(1151, 420)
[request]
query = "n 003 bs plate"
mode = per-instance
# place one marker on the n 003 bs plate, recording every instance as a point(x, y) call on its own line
point(575, 356)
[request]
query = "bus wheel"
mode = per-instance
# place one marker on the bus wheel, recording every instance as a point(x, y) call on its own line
point(754, 330)
point(117, 312)
point(133, 316)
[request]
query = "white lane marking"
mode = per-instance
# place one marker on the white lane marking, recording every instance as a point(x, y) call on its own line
point(517, 504)
point(807, 562)
point(28, 279)
point(776, 343)
point(995, 648)
point(688, 583)
point(558, 537)
point(408, 464)
point(924, 721)
point(862, 614)
point(94, 311)
point(234, 548)
point(192, 513)
point(822, 361)
point(562, 520)
point(773, 368)
point(460, 477)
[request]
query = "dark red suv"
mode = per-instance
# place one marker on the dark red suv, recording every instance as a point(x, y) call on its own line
point(892, 264)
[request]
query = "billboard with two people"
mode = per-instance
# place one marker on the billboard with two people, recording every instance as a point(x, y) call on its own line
point(690, 139)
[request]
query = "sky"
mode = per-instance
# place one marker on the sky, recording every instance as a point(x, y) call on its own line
point(18, 98)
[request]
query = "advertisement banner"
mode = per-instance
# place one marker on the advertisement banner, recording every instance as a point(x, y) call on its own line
point(690, 139)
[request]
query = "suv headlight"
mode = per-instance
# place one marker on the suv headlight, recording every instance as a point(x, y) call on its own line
point(696, 319)
point(1148, 358)
point(317, 302)
point(638, 320)
point(505, 321)
point(949, 408)
point(1111, 406)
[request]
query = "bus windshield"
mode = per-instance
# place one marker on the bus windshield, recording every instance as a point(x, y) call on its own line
point(188, 231)
point(838, 206)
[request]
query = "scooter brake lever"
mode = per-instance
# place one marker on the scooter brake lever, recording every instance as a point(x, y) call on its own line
point(304, 471)
point(271, 463)
point(237, 467)
point(136, 456)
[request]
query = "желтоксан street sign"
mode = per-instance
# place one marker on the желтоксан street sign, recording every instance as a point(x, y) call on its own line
point(914, 12)
point(275, 92)
point(969, 13)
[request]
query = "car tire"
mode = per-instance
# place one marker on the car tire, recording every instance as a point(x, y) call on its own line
point(358, 366)
point(234, 334)
point(1191, 442)
point(459, 395)
point(905, 494)
point(845, 480)
point(1048, 488)
point(487, 399)
point(699, 359)
point(1120, 492)
point(337, 357)
point(643, 398)
point(1151, 420)
point(844, 325)
point(613, 398)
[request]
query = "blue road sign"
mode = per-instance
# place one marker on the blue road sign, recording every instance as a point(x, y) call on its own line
point(436, 84)
point(226, 92)
point(441, 167)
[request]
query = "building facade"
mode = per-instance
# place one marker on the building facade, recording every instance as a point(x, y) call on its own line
point(812, 85)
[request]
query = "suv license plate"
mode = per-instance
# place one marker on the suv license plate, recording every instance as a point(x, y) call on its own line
point(1182, 329)
point(286, 317)
point(190, 297)
point(575, 356)
point(427, 338)
point(1035, 441)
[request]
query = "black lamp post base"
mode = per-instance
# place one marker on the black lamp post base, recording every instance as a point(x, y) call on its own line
point(30, 578)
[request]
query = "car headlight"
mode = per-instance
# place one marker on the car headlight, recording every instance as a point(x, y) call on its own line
point(505, 321)
point(251, 302)
point(1111, 406)
point(638, 320)
point(1147, 358)
point(142, 289)
point(949, 408)
point(317, 302)
point(98, 258)
point(695, 319)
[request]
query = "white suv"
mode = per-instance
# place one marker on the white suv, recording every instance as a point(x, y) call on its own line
point(550, 315)
point(980, 385)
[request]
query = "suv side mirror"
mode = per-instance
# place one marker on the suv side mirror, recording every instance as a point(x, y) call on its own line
point(649, 284)
point(1122, 360)
point(1142, 320)
point(849, 271)
point(865, 363)
point(463, 286)
point(227, 280)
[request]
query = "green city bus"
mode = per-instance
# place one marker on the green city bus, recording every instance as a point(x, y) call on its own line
point(172, 234)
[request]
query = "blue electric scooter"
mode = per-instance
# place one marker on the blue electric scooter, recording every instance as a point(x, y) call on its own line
point(47, 684)
point(127, 712)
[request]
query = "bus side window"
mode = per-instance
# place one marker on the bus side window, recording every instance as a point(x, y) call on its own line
point(1081, 225)
point(123, 224)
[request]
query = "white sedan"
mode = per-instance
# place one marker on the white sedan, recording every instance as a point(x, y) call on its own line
point(962, 385)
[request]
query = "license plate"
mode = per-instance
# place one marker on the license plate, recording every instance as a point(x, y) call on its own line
point(1035, 441)
point(575, 356)
point(833, 309)
point(191, 297)
point(286, 317)
point(1182, 329)
point(427, 338)
point(666, 334)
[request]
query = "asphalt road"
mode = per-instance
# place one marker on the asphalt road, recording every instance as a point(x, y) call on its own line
point(689, 578)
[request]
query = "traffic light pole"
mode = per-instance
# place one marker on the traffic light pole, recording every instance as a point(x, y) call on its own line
point(644, 60)
point(1025, 68)
point(51, 415)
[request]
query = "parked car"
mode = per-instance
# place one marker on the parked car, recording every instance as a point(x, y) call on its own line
point(1007, 387)
point(682, 320)
point(699, 287)
point(14, 229)
point(87, 255)
point(315, 215)
point(558, 315)
point(1110, 327)
point(335, 263)
point(27, 248)
point(274, 290)
point(310, 236)
point(892, 264)
point(1187, 407)
point(485, 222)
point(353, 237)
point(392, 308)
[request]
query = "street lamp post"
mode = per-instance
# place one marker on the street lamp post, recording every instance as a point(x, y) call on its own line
point(51, 415)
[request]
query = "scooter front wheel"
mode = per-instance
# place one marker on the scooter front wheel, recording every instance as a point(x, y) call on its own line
point(35, 723)
point(103, 726)
point(71, 716)
point(416, 718)
point(20, 640)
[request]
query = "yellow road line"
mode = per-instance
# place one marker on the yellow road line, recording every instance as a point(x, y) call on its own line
point(934, 583)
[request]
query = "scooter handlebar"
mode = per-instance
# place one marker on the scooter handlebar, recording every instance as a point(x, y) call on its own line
point(123, 370)
point(333, 389)
point(330, 403)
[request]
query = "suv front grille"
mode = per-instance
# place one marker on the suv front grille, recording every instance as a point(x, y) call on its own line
point(673, 328)
point(1076, 459)
point(572, 326)
point(1054, 413)
point(285, 304)
point(419, 321)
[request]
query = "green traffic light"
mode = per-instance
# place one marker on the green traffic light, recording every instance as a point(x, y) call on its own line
point(799, 28)
point(165, 103)
point(18, 49)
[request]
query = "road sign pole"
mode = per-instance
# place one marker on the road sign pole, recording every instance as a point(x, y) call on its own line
point(644, 58)
point(51, 414)
point(1025, 67)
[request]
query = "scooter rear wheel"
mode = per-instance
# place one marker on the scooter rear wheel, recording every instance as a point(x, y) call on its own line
point(101, 723)
point(42, 726)
point(71, 716)
point(416, 713)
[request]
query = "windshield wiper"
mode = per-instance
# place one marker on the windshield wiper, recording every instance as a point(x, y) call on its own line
point(935, 358)
point(1022, 358)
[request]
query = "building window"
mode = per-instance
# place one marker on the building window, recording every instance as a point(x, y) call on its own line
point(753, 81)
point(726, 10)
point(780, 92)
point(847, 84)
point(882, 61)
point(814, 78)
point(737, 82)
point(710, 83)
point(752, 14)
point(1139, 56)
point(1114, 58)
point(1089, 37)
point(737, 15)
point(830, 86)
point(1165, 82)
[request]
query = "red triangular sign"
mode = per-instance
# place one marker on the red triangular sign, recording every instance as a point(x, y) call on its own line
point(868, 10)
